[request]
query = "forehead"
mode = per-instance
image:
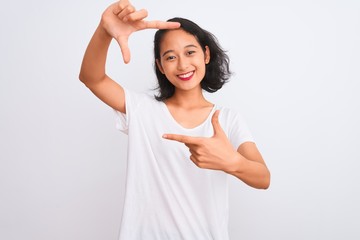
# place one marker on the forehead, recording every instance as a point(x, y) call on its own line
point(177, 38)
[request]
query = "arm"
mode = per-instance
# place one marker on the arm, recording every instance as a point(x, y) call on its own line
point(249, 166)
point(93, 75)
point(118, 22)
point(217, 153)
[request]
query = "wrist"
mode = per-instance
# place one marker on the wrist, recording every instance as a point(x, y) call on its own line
point(235, 163)
point(102, 32)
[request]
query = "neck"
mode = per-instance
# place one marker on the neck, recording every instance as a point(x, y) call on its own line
point(188, 99)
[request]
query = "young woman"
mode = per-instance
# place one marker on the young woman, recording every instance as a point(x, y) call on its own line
point(182, 148)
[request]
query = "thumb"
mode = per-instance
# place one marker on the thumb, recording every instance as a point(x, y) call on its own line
point(216, 124)
point(125, 51)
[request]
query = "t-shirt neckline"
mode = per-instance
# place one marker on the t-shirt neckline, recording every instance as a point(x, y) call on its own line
point(170, 116)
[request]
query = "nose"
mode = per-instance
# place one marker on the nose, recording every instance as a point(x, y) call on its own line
point(182, 63)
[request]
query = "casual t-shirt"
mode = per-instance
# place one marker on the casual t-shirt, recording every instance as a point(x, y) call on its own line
point(167, 197)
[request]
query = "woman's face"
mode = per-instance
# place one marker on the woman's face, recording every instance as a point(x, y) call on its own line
point(182, 60)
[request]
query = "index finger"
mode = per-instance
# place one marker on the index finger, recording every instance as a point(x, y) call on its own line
point(161, 25)
point(180, 138)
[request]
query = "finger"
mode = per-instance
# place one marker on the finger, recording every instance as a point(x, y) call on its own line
point(135, 15)
point(119, 6)
point(161, 25)
point(180, 138)
point(125, 51)
point(216, 124)
point(193, 159)
point(196, 161)
point(126, 12)
point(191, 151)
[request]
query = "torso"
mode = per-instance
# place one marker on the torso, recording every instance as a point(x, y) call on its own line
point(190, 117)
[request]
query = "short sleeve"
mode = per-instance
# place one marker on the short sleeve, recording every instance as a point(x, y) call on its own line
point(236, 127)
point(132, 101)
point(121, 121)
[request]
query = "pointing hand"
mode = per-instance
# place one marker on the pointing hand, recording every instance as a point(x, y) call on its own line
point(215, 152)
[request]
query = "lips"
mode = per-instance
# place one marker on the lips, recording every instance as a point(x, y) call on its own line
point(186, 76)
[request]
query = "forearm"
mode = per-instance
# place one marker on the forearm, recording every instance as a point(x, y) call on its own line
point(93, 65)
point(253, 173)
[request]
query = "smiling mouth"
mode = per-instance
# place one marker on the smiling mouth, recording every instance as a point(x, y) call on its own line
point(186, 76)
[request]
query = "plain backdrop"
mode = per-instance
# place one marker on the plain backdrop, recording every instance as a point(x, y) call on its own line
point(296, 82)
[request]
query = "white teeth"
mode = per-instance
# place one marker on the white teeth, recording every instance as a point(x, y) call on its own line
point(186, 75)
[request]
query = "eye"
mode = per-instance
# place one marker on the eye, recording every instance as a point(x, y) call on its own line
point(169, 58)
point(191, 52)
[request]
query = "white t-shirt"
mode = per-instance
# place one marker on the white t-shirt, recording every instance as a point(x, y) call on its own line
point(167, 197)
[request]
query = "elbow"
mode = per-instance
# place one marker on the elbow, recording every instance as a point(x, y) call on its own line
point(86, 79)
point(90, 80)
point(266, 185)
point(82, 78)
point(266, 181)
point(262, 182)
point(85, 76)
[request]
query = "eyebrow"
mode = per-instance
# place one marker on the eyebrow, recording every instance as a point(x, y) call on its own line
point(187, 46)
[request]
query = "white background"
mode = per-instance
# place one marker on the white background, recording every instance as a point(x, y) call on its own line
point(297, 73)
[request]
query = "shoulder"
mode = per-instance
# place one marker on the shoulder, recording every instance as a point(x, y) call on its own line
point(228, 115)
point(138, 94)
point(234, 123)
point(140, 103)
point(134, 98)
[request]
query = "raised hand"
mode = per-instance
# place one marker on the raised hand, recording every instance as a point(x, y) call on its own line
point(121, 19)
point(215, 152)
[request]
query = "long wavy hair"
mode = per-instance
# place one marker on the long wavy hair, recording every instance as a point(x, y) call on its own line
point(217, 70)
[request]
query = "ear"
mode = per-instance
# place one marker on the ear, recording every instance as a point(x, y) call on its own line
point(207, 55)
point(158, 64)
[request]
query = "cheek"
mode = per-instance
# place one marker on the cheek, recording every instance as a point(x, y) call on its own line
point(166, 71)
point(167, 67)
